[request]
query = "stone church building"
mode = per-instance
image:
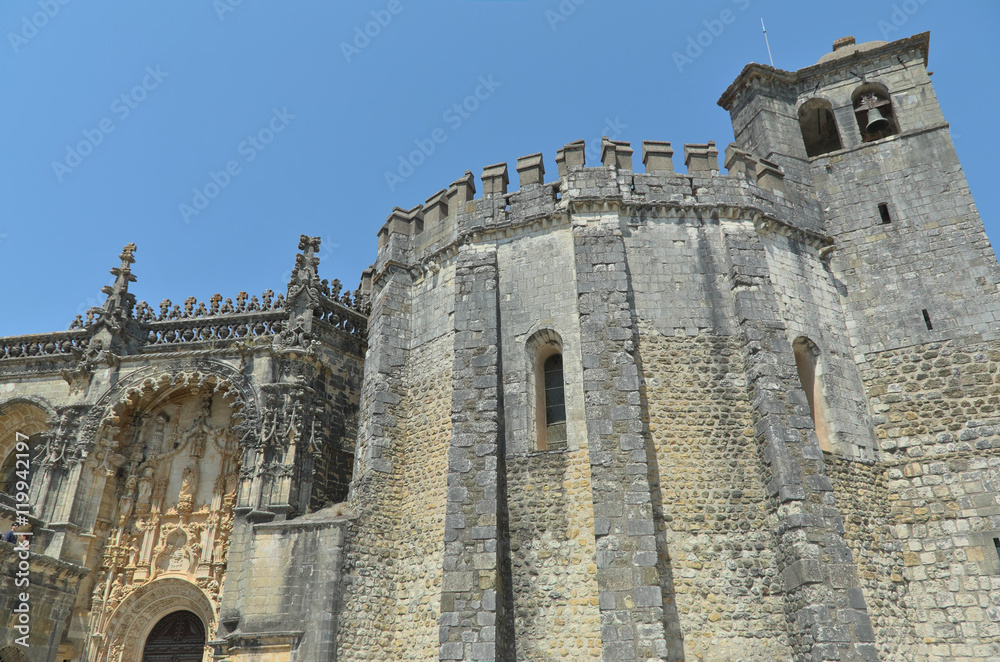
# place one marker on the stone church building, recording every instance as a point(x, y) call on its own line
point(620, 413)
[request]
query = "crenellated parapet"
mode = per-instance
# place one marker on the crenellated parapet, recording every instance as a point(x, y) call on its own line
point(430, 232)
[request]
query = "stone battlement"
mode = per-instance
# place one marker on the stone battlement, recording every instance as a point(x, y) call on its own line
point(751, 183)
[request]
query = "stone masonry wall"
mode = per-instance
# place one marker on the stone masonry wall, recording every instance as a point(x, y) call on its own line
point(552, 554)
point(538, 291)
point(476, 621)
point(822, 592)
point(294, 583)
point(395, 561)
point(369, 572)
point(934, 255)
point(678, 276)
point(859, 489)
point(726, 592)
point(552, 543)
point(630, 591)
point(810, 306)
point(339, 383)
point(419, 545)
point(51, 588)
point(935, 409)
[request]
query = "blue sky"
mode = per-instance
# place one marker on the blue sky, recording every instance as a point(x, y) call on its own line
point(309, 113)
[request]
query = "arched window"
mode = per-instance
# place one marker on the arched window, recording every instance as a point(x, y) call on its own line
point(809, 368)
point(873, 109)
point(819, 127)
point(549, 390)
point(550, 408)
point(555, 398)
point(178, 637)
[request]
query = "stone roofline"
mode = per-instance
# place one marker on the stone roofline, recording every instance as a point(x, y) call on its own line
point(311, 309)
point(753, 71)
point(211, 332)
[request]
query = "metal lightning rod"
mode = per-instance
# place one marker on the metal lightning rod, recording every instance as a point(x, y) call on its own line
point(765, 42)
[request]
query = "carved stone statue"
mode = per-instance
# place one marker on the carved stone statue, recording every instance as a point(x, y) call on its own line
point(201, 429)
point(232, 482)
point(127, 500)
point(145, 490)
point(155, 446)
point(189, 486)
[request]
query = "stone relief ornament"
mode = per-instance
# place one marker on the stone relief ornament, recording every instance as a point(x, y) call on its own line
point(160, 530)
point(127, 500)
point(62, 447)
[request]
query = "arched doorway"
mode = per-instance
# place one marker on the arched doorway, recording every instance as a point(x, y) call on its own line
point(140, 613)
point(177, 637)
point(12, 654)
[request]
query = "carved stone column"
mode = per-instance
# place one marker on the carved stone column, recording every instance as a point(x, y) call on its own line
point(284, 456)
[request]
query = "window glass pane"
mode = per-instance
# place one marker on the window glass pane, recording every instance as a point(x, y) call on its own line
point(555, 406)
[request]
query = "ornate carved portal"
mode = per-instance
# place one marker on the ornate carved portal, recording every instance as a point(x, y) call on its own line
point(133, 622)
point(175, 467)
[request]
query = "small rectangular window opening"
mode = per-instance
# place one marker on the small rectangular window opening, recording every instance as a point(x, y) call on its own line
point(927, 319)
point(996, 543)
point(883, 210)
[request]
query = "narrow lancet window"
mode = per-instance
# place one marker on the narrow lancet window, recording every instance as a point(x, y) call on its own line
point(555, 401)
point(552, 409)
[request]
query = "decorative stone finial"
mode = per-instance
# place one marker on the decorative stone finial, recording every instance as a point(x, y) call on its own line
point(843, 41)
point(436, 207)
point(616, 154)
point(304, 285)
point(461, 191)
point(366, 280)
point(740, 163)
point(770, 176)
point(118, 307)
point(401, 221)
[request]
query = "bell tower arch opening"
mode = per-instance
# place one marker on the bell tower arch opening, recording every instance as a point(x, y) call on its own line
point(873, 110)
point(819, 127)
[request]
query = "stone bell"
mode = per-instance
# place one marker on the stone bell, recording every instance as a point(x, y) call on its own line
point(876, 122)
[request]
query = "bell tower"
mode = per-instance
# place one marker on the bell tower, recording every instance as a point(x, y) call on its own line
point(861, 133)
